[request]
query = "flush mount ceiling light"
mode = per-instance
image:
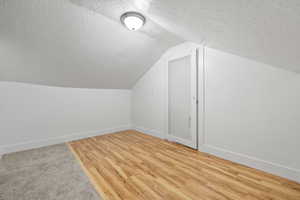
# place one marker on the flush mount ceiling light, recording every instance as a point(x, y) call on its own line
point(133, 20)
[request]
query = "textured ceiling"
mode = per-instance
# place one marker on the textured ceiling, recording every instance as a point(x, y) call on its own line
point(81, 43)
point(264, 30)
point(59, 43)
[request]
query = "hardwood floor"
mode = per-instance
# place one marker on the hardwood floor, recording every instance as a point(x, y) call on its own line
point(131, 165)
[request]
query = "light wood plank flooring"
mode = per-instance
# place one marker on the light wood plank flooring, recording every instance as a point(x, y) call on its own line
point(131, 165)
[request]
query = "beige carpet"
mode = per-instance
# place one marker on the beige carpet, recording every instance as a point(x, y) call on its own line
point(49, 173)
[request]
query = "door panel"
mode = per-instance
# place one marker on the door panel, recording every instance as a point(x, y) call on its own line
point(182, 108)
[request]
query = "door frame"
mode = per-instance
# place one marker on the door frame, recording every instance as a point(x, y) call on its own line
point(193, 53)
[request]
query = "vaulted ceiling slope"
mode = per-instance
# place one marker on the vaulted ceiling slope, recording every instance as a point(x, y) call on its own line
point(81, 43)
point(60, 43)
point(267, 31)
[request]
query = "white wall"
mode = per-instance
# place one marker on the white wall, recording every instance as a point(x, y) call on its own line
point(149, 96)
point(148, 101)
point(252, 110)
point(32, 115)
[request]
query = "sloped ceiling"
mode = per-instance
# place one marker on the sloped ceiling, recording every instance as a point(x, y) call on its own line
point(81, 43)
point(60, 43)
point(267, 31)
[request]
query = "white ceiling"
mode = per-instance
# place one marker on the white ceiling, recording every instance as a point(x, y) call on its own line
point(81, 43)
point(58, 43)
point(264, 30)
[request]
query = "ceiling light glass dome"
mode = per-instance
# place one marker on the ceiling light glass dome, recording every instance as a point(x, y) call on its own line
point(133, 20)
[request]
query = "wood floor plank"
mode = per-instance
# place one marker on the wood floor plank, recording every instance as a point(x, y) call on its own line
point(130, 165)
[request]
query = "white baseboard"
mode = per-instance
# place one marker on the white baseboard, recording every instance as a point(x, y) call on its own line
point(57, 140)
point(152, 132)
point(269, 167)
point(276, 169)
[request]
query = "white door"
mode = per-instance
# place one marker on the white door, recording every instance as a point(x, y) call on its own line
point(182, 99)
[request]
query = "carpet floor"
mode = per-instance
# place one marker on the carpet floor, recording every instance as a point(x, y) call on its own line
point(48, 173)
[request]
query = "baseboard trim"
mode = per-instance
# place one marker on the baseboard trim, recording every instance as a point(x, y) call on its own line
point(57, 140)
point(266, 166)
point(152, 132)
